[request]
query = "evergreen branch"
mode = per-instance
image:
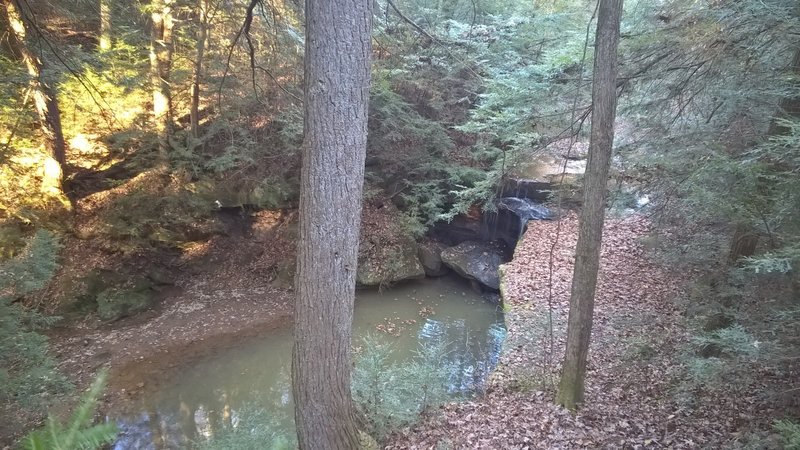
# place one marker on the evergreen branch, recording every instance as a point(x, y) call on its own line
point(412, 23)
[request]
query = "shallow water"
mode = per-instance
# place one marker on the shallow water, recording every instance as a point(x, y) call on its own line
point(217, 391)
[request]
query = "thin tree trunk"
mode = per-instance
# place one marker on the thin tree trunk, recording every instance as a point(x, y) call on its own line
point(104, 41)
point(202, 35)
point(587, 252)
point(743, 243)
point(44, 95)
point(160, 65)
point(337, 75)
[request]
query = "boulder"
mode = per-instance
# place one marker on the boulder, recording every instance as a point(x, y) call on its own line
point(390, 264)
point(430, 255)
point(115, 303)
point(285, 271)
point(476, 261)
point(79, 294)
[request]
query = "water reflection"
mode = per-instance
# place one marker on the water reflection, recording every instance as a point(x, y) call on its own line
point(252, 383)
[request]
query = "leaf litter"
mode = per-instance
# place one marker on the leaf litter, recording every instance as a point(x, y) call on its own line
point(634, 372)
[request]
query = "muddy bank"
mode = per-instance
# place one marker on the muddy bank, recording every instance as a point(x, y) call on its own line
point(219, 291)
point(197, 322)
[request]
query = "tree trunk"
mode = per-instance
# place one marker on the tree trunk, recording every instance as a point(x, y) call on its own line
point(202, 35)
point(44, 95)
point(587, 252)
point(337, 74)
point(104, 40)
point(743, 244)
point(160, 65)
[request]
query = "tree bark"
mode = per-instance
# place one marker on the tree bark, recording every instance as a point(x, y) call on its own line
point(44, 94)
point(44, 98)
point(104, 39)
point(337, 76)
point(161, 47)
point(587, 252)
point(744, 242)
point(202, 36)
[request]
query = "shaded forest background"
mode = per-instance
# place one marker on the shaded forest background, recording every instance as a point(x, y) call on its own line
point(173, 110)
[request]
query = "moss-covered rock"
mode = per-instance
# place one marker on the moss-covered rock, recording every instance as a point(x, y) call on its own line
point(387, 251)
point(77, 296)
point(391, 264)
point(117, 302)
point(430, 255)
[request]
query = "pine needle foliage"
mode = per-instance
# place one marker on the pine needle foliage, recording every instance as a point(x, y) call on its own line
point(27, 373)
point(255, 429)
point(790, 432)
point(391, 395)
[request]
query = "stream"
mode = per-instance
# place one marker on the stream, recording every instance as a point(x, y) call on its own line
point(255, 377)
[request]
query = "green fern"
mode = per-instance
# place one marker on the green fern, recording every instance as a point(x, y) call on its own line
point(78, 433)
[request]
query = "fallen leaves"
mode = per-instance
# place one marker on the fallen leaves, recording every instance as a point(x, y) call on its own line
point(633, 361)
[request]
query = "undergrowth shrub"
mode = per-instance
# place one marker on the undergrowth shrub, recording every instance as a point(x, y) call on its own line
point(27, 373)
point(790, 432)
point(253, 428)
point(145, 218)
point(722, 359)
point(391, 395)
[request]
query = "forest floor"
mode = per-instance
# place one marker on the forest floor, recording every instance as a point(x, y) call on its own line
point(636, 392)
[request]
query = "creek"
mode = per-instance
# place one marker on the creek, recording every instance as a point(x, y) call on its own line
point(215, 392)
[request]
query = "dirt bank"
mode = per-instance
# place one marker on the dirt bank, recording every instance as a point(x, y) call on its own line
point(222, 291)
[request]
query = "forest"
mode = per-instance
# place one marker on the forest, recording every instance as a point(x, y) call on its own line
point(269, 224)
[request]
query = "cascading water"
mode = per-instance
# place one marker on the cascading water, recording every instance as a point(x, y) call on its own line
point(510, 218)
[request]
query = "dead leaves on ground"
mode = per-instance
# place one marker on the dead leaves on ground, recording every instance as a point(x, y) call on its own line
point(633, 363)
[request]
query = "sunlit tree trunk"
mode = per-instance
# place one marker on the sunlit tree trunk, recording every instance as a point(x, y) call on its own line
point(104, 41)
point(202, 36)
point(587, 252)
point(44, 94)
point(161, 47)
point(337, 74)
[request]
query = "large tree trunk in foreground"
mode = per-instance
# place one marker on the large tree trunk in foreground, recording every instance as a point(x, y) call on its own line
point(161, 47)
point(587, 252)
point(44, 95)
point(337, 73)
